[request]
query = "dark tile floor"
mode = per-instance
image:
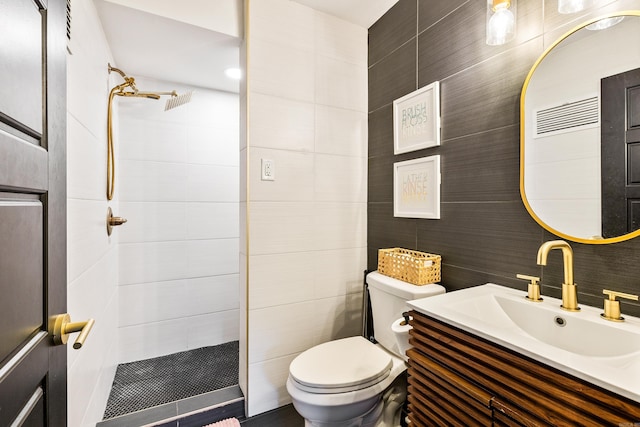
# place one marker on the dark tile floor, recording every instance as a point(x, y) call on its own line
point(285, 416)
point(153, 382)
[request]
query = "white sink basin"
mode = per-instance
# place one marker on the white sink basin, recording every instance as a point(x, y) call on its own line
point(581, 343)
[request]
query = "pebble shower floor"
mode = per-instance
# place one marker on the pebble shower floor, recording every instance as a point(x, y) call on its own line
point(147, 383)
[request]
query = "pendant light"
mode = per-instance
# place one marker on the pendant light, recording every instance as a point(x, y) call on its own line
point(573, 6)
point(501, 21)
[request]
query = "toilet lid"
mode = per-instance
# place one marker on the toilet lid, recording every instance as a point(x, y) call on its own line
point(340, 366)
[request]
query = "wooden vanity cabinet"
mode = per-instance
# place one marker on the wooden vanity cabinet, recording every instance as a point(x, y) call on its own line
point(459, 379)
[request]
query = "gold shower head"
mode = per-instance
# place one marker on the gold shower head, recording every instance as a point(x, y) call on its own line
point(174, 100)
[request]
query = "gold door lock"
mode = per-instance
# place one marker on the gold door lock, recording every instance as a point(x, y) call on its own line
point(612, 306)
point(533, 290)
point(62, 327)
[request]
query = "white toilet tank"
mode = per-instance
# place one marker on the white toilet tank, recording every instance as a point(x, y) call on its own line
point(389, 298)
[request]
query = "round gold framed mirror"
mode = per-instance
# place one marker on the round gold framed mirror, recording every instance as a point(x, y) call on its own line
point(580, 132)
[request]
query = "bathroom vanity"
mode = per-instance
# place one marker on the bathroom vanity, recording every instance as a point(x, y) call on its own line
point(461, 378)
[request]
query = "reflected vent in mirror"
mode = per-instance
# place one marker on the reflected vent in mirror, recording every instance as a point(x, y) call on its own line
point(568, 117)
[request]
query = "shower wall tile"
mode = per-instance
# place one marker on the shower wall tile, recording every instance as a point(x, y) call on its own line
point(341, 132)
point(212, 220)
point(92, 269)
point(212, 146)
point(338, 272)
point(152, 262)
point(277, 332)
point(280, 279)
point(340, 225)
point(212, 257)
point(213, 293)
point(211, 108)
point(289, 278)
point(341, 84)
point(339, 39)
point(212, 329)
point(152, 302)
point(294, 171)
point(267, 381)
point(152, 340)
point(142, 181)
point(86, 300)
point(152, 221)
point(86, 162)
point(281, 123)
point(207, 183)
point(340, 178)
point(307, 111)
point(345, 316)
point(281, 227)
point(282, 22)
point(207, 296)
point(156, 141)
point(283, 71)
point(87, 240)
point(87, 99)
point(86, 374)
point(308, 226)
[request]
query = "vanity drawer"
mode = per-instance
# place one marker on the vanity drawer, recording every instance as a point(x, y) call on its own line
point(517, 384)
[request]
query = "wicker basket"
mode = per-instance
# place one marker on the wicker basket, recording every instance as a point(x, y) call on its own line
point(409, 266)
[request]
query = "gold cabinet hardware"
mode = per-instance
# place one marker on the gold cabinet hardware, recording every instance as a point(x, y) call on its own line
point(62, 327)
point(533, 289)
point(113, 221)
point(612, 306)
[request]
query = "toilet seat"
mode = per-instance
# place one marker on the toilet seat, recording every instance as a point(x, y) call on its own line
point(340, 366)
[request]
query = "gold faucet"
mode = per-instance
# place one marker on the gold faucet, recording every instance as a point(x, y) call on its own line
point(569, 289)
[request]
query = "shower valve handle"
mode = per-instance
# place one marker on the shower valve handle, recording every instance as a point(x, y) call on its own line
point(113, 221)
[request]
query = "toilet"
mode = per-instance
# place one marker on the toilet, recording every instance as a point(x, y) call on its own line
point(352, 382)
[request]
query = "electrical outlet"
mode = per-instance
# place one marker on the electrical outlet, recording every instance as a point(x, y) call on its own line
point(268, 170)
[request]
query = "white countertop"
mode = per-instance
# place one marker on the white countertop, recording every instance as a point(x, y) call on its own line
point(612, 362)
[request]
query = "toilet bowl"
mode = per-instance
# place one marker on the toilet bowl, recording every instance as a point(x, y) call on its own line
point(353, 382)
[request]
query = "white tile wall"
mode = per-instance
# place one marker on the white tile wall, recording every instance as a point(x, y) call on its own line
point(282, 70)
point(307, 111)
point(268, 384)
point(92, 256)
point(340, 131)
point(178, 255)
point(293, 175)
point(281, 123)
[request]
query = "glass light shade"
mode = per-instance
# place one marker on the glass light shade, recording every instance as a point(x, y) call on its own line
point(573, 6)
point(501, 21)
point(605, 23)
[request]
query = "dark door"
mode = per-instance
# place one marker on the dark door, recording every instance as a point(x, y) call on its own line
point(620, 153)
point(32, 211)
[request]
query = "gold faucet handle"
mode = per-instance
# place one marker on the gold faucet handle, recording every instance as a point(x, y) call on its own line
point(612, 306)
point(533, 289)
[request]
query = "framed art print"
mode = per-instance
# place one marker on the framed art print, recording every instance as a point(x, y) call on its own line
point(416, 120)
point(416, 188)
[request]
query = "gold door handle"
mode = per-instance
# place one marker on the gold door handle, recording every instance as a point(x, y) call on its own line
point(612, 306)
point(113, 221)
point(62, 327)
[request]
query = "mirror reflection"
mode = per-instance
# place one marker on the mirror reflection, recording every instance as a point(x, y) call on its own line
point(580, 170)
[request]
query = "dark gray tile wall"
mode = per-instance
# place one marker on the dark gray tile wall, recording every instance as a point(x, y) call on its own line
point(485, 234)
